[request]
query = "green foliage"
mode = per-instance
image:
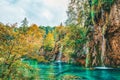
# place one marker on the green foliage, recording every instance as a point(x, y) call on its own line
point(80, 39)
point(24, 23)
point(97, 6)
point(78, 12)
point(17, 71)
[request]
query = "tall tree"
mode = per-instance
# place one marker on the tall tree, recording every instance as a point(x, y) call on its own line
point(24, 25)
point(78, 11)
point(24, 22)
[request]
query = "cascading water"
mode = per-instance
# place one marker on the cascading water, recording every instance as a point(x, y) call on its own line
point(103, 51)
point(103, 55)
point(87, 55)
point(59, 64)
point(60, 54)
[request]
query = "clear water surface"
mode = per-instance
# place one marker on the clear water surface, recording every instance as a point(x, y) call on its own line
point(64, 71)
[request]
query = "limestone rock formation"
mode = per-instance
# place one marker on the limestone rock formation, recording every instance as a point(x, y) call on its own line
point(104, 45)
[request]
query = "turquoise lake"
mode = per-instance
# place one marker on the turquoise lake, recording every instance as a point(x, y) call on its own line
point(59, 70)
point(64, 71)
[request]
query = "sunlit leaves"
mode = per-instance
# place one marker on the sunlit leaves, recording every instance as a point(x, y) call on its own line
point(49, 42)
point(14, 44)
point(34, 38)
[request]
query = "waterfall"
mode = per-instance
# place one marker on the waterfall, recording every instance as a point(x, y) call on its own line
point(59, 61)
point(60, 54)
point(103, 55)
point(103, 50)
point(60, 67)
point(87, 55)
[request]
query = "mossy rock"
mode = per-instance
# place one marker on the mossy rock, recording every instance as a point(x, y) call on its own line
point(72, 77)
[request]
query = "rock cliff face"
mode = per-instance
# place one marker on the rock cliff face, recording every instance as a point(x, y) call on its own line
point(104, 45)
point(113, 36)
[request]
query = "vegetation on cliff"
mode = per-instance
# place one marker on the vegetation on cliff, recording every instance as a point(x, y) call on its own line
point(91, 37)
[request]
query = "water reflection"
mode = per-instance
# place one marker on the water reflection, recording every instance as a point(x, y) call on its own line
point(59, 67)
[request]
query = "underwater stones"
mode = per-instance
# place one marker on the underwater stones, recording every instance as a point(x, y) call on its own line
point(73, 77)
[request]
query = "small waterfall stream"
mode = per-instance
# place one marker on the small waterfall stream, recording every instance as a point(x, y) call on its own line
point(103, 51)
point(103, 46)
point(59, 61)
point(60, 54)
point(87, 55)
